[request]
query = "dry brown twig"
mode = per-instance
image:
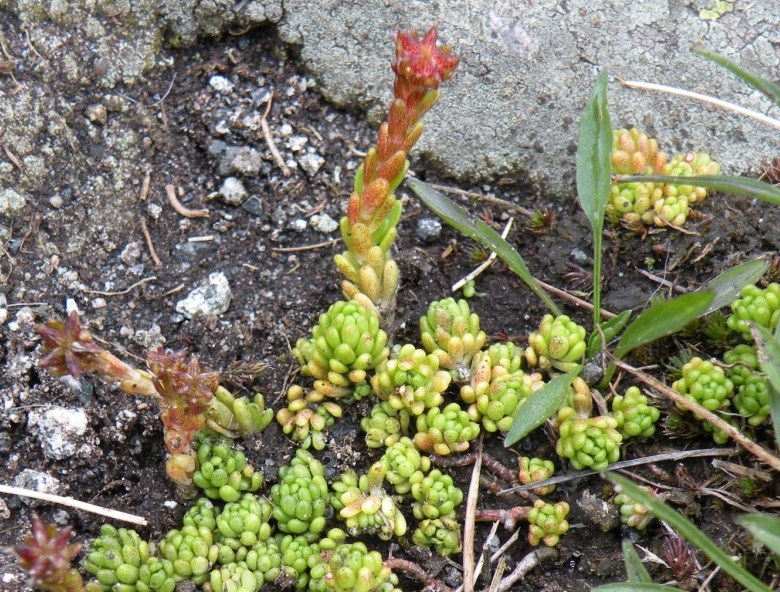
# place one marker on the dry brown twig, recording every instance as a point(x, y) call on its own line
point(528, 562)
point(121, 292)
point(170, 191)
point(485, 264)
point(145, 186)
point(13, 158)
point(150, 245)
point(469, 523)
point(411, 569)
point(270, 140)
point(329, 243)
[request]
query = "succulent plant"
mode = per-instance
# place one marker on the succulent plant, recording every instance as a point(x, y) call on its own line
point(245, 522)
point(441, 534)
point(353, 568)
point(755, 305)
point(265, 561)
point(411, 380)
point(115, 558)
point(752, 397)
point(444, 431)
point(238, 416)
point(222, 471)
point(706, 384)
point(495, 392)
point(688, 165)
point(385, 425)
point(345, 343)
point(47, 555)
point(533, 470)
point(635, 417)
point(719, 435)
point(436, 496)
point(401, 464)
point(191, 551)
point(298, 554)
point(232, 578)
point(559, 342)
point(632, 513)
point(301, 496)
point(365, 507)
point(450, 331)
point(547, 522)
point(305, 421)
point(592, 442)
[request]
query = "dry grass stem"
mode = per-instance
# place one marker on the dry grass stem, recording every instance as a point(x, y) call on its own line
point(329, 243)
point(73, 503)
point(121, 292)
point(485, 264)
point(469, 523)
point(270, 140)
point(146, 184)
point(528, 562)
point(484, 198)
point(578, 302)
point(150, 245)
point(170, 191)
point(12, 157)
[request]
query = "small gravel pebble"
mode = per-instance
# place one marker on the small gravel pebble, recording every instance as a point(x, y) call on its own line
point(221, 84)
point(233, 191)
point(211, 299)
point(428, 229)
point(323, 223)
point(311, 163)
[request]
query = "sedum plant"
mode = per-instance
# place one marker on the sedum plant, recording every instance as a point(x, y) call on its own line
point(635, 417)
point(559, 343)
point(301, 496)
point(47, 555)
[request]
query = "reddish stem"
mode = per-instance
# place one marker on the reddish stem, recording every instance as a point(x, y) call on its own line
point(490, 463)
point(414, 571)
point(509, 518)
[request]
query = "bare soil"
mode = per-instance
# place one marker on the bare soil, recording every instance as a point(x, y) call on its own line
point(277, 295)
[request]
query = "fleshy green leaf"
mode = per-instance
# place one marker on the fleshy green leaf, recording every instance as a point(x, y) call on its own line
point(769, 360)
point(594, 174)
point(690, 533)
point(540, 406)
point(610, 329)
point(736, 185)
point(662, 319)
point(759, 83)
point(728, 284)
point(764, 528)
point(453, 215)
point(630, 587)
point(635, 570)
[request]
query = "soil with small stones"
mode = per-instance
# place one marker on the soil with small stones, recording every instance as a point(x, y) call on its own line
point(279, 287)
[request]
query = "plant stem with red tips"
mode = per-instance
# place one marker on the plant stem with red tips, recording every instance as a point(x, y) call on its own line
point(46, 555)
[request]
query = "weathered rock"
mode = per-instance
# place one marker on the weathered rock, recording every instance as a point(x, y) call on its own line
point(232, 191)
point(59, 430)
point(211, 299)
point(323, 223)
point(37, 481)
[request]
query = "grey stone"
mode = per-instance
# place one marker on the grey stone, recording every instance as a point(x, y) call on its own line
point(299, 225)
point(211, 299)
point(131, 253)
point(311, 163)
point(242, 160)
point(221, 84)
point(97, 114)
point(602, 513)
point(232, 191)
point(323, 223)
point(254, 205)
point(151, 338)
point(37, 481)
point(11, 202)
point(428, 229)
point(58, 429)
point(578, 256)
point(527, 68)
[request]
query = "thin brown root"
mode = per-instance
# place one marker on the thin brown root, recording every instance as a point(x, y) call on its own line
point(170, 191)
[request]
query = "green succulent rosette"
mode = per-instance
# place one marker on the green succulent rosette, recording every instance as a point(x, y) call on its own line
point(589, 443)
point(494, 392)
point(345, 344)
point(265, 561)
point(547, 522)
point(441, 534)
point(559, 342)
point(238, 416)
point(298, 554)
point(301, 496)
point(670, 210)
point(444, 431)
point(689, 165)
point(752, 397)
point(401, 464)
point(353, 568)
point(203, 513)
point(632, 513)
point(365, 507)
point(706, 384)
point(450, 331)
point(233, 577)
point(385, 425)
point(634, 153)
point(755, 305)
point(635, 417)
point(243, 524)
point(304, 421)
point(633, 202)
point(120, 560)
point(191, 551)
point(436, 496)
point(534, 470)
point(411, 380)
point(223, 472)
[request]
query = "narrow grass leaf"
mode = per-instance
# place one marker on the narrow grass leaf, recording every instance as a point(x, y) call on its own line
point(631, 587)
point(453, 215)
point(736, 185)
point(635, 569)
point(610, 329)
point(690, 533)
point(594, 174)
point(540, 406)
point(662, 319)
point(728, 284)
point(769, 359)
point(758, 82)
point(765, 528)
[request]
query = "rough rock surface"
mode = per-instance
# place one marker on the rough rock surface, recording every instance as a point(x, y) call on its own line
point(59, 430)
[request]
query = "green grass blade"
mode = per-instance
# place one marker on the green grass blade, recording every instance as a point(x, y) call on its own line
point(631, 587)
point(662, 319)
point(736, 185)
point(453, 215)
point(610, 329)
point(540, 406)
point(690, 533)
point(769, 359)
point(728, 284)
point(764, 528)
point(594, 172)
point(759, 83)
point(635, 569)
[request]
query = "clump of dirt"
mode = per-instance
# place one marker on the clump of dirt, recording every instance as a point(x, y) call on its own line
point(275, 243)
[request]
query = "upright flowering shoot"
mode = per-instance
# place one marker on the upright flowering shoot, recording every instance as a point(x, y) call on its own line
point(369, 228)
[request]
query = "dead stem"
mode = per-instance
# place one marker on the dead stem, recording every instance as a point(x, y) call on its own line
point(150, 245)
point(509, 518)
point(528, 562)
point(170, 191)
point(414, 571)
point(270, 140)
point(469, 577)
point(490, 463)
